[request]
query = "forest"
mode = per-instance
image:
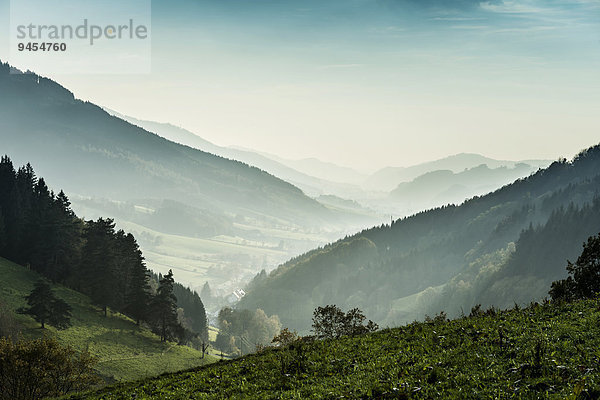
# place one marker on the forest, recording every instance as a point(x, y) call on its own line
point(39, 230)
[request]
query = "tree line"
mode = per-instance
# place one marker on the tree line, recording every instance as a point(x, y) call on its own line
point(39, 229)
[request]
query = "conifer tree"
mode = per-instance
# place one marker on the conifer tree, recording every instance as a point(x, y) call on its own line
point(138, 290)
point(67, 240)
point(98, 264)
point(45, 307)
point(164, 309)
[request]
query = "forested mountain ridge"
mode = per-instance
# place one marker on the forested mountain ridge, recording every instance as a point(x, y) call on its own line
point(89, 152)
point(447, 258)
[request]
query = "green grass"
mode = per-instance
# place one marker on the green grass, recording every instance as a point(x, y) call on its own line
point(124, 350)
point(544, 351)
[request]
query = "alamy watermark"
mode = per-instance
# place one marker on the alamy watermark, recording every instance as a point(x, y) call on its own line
point(81, 36)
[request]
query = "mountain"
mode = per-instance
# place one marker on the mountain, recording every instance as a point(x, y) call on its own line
point(276, 166)
point(505, 247)
point(323, 170)
point(527, 354)
point(91, 153)
point(208, 217)
point(389, 178)
point(437, 188)
point(322, 179)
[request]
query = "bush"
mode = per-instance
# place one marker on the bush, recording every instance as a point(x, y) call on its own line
point(285, 337)
point(331, 322)
point(34, 369)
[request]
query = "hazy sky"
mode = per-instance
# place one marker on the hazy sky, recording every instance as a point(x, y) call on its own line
point(368, 83)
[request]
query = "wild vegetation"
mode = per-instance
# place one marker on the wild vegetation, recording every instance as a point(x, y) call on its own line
point(542, 351)
point(36, 369)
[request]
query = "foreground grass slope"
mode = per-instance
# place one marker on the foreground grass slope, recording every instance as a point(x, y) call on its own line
point(543, 351)
point(124, 350)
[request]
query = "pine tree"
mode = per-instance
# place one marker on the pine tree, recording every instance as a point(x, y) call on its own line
point(138, 290)
point(99, 263)
point(45, 307)
point(39, 236)
point(67, 240)
point(164, 309)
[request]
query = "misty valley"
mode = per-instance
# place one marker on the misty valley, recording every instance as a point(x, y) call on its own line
point(389, 199)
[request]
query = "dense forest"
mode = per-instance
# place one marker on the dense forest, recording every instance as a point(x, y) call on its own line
point(497, 249)
point(38, 229)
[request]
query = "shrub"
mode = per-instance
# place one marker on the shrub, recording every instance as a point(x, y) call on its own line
point(34, 369)
point(331, 322)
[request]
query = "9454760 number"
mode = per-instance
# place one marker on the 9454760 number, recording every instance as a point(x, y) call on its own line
point(43, 46)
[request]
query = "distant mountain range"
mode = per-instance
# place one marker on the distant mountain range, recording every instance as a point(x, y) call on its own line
point(434, 183)
point(311, 185)
point(441, 187)
point(498, 249)
point(389, 178)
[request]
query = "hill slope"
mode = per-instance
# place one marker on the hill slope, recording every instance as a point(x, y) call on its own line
point(312, 176)
point(545, 351)
point(125, 351)
point(91, 153)
point(447, 258)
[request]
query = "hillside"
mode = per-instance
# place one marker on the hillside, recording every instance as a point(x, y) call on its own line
point(314, 177)
point(44, 123)
point(125, 351)
point(448, 258)
point(309, 184)
point(543, 351)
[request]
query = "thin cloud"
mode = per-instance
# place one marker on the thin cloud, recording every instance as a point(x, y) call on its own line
point(444, 4)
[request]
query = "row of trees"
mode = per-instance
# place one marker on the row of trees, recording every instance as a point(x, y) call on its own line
point(39, 229)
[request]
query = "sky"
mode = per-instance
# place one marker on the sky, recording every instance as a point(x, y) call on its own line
point(367, 83)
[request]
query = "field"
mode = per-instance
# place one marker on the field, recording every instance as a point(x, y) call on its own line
point(124, 350)
point(543, 351)
point(226, 262)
